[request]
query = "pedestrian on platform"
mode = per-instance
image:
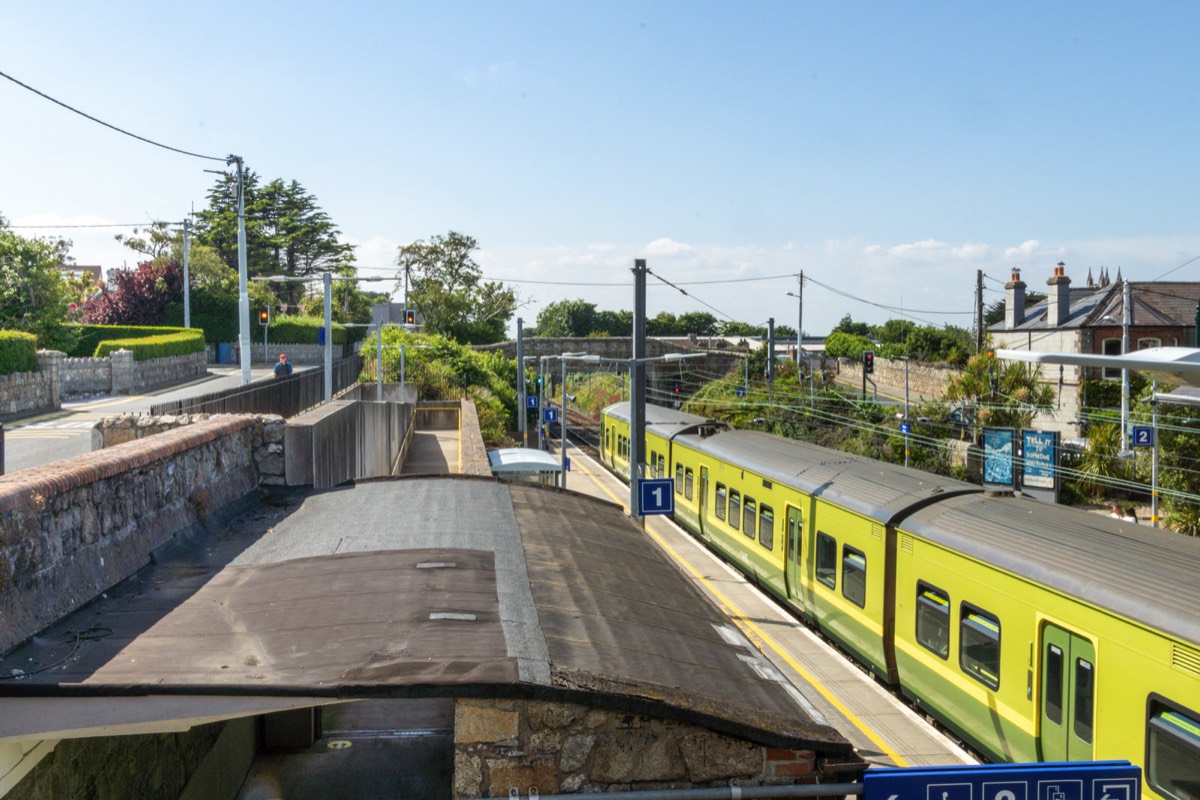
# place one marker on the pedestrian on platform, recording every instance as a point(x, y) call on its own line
point(1130, 515)
point(283, 368)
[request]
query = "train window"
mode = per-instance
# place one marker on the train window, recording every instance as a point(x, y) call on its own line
point(766, 527)
point(719, 506)
point(1054, 684)
point(654, 462)
point(933, 620)
point(854, 576)
point(1173, 752)
point(749, 513)
point(735, 509)
point(1085, 684)
point(679, 478)
point(608, 440)
point(979, 646)
point(827, 559)
point(662, 466)
point(689, 482)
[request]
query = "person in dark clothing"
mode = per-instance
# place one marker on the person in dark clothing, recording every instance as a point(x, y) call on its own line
point(283, 368)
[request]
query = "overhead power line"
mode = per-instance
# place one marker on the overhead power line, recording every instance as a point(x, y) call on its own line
point(98, 225)
point(107, 125)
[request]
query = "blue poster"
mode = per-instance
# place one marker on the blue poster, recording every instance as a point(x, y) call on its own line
point(998, 457)
point(1038, 449)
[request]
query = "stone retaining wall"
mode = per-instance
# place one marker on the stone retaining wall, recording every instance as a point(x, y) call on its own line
point(156, 372)
point(926, 382)
point(86, 376)
point(22, 392)
point(563, 748)
point(71, 529)
point(472, 452)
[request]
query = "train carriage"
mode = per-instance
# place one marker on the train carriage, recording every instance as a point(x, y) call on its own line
point(1035, 631)
point(1040, 632)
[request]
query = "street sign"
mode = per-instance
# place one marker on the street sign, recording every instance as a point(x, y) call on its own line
point(567, 463)
point(904, 428)
point(549, 414)
point(531, 401)
point(740, 391)
point(1078, 780)
point(1143, 436)
point(656, 496)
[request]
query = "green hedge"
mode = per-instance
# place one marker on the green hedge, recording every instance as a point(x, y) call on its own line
point(18, 352)
point(90, 336)
point(176, 343)
point(301, 330)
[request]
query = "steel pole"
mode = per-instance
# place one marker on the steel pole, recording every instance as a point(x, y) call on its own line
point(637, 387)
point(562, 424)
point(522, 412)
point(402, 393)
point(379, 363)
point(1154, 455)
point(187, 284)
point(243, 288)
point(327, 278)
point(906, 422)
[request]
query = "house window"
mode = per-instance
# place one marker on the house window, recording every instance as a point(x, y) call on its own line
point(1149, 341)
point(1112, 347)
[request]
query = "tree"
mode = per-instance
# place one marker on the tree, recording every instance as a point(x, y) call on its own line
point(287, 233)
point(848, 325)
point(33, 294)
point(1009, 394)
point(445, 287)
point(895, 331)
point(567, 318)
point(136, 296)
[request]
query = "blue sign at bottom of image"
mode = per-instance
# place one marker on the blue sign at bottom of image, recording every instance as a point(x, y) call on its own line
point(656, 496)
point(1082, 780)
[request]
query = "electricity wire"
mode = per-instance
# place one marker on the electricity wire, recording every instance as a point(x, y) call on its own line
point(108, 125)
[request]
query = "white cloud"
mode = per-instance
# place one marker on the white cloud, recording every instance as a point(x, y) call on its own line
point(667, 248)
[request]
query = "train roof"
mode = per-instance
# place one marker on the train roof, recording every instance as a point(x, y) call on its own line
point(666, 422)
point(1140, 573)
point(874, 488)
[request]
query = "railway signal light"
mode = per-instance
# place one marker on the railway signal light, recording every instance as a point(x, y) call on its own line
point(264, 315)
point(677, 389)
point(410, 317)
point(868, 362)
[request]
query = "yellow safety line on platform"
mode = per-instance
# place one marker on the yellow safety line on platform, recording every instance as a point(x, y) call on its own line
point(743, 621)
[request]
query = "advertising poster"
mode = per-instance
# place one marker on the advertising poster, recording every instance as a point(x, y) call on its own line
point(998, 457)
point(1038, 449)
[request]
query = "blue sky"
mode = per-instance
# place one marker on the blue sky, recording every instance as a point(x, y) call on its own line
point(889, 150)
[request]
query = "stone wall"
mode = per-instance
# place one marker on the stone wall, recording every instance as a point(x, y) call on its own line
point(926, 382)
point(568, 748)
point(22, 392)
point(149, 765)
point(296, 353)
point(472, 451)
point(157, 372)
point(71, 529)
point(86, 376)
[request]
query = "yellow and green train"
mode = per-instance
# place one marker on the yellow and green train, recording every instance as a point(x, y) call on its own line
point(1033, 631)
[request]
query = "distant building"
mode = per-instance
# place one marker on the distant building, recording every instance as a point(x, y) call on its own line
point(1089, 319)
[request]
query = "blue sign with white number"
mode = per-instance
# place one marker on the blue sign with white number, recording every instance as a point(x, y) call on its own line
point(1080, 780)
point(1143, 436)
point(531, 401)
point(904, 428)
point(740, 391)
point(549, 414)
point(656, 496)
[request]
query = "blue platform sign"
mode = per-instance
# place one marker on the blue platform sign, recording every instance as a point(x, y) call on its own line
point(549, 414)
point(904, 428)
point(1143, 436)
point(656, 496)
point(531, 401)
point(1076, 780)
point(740, 391)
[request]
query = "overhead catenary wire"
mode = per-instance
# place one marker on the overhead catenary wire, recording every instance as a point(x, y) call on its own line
point(110, 126)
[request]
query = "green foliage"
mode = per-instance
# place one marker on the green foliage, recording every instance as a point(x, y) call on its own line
point(1101, 393)
point(1008, 393)
point(441, 368)
point(33, 295)
point(145, 348)
point(88, 338)
point(847, 345)
point(214, 310)
point(894, 331)
point(446, 288)
point(1099, 465)
point(948, 344)
point(18, 352)
point(849, 326)
point(1179, 452)
point(302, 330)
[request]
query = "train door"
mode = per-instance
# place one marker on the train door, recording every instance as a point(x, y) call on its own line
point(701, 520)
point(1067, 705)
point(795, 547)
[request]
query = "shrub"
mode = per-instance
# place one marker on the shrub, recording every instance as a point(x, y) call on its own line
point(177, 343)
point(90, 336)
point(18, 352)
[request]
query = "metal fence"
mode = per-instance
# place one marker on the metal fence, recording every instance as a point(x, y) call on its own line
point(286, 397)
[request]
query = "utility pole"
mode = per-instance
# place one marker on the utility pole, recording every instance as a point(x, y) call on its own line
point(978, 311)
point(187, 284)
point(637, 386)
point(1126, 320)
point(243, 289)
point(770, 351)
point(522, 412)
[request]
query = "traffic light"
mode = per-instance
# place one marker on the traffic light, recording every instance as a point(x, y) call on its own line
point(264, 315)
point(868, 362)
point(410, 317)
point(677, 389)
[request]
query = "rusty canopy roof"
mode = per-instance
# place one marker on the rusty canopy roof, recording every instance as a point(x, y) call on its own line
point(412, 587)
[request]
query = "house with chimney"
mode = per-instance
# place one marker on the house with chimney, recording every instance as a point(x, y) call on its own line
point(1091, 319)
